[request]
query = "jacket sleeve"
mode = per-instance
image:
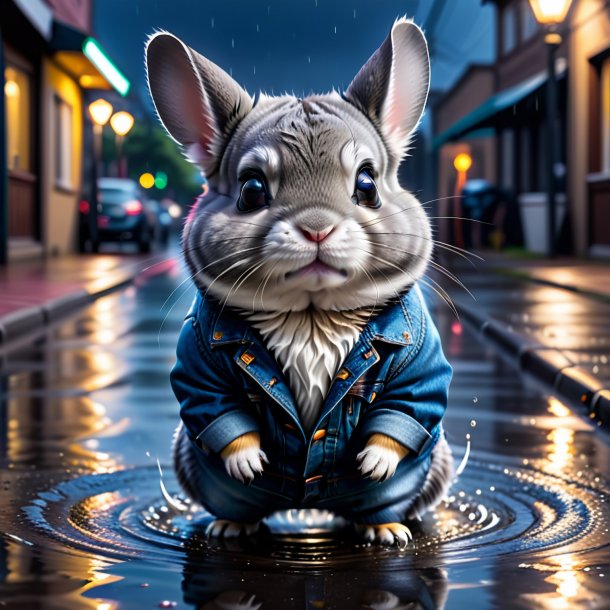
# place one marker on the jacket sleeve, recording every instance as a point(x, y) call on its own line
point(414, 399)
point(210, 403)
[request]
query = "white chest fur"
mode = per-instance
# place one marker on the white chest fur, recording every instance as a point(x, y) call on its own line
point(310, 346)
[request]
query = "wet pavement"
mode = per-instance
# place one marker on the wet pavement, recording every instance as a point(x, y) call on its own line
point(87, 410)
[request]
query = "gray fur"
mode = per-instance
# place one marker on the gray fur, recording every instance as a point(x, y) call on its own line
point(310, 152)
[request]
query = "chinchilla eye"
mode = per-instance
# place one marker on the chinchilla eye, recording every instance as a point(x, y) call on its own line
point(365, 193)
point(253, 195)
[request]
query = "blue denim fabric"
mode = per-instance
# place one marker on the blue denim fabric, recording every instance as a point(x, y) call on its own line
point(394, 381)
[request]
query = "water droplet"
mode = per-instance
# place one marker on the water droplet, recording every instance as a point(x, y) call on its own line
point(335, 29)
point(212, 21)
point(232, 43)
point(473, 423)
point(167, 604)
point(475, 399)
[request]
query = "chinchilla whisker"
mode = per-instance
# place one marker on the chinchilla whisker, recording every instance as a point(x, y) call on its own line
point(441, 244)
point(247, 273)
point(261, 286)
point(433, 263)
point(419, 205)
point(214, 262)
point(444, 294)
point(230, 268)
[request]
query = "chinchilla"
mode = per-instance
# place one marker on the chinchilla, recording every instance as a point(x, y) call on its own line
point(305, 235)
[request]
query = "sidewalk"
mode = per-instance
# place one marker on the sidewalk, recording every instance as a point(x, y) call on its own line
point(552, 318)
point(36, 293)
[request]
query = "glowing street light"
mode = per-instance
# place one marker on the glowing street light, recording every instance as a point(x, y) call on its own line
point(462, 162)
point(551, 13)
point(121, 123)
point(100, 111)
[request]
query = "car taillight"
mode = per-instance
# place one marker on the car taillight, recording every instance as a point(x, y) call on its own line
point(133, 208)
point(83, 207)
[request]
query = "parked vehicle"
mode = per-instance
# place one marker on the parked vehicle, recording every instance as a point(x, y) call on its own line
point(162, 219)
point(121, 215)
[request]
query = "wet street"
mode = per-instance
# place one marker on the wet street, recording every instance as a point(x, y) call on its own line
point(87, 410)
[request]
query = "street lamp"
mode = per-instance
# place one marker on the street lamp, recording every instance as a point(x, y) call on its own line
point(462, 162)
point(121, 123)
point(100, 111)
point(551, 13)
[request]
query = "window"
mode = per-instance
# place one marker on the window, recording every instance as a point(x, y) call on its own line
point(18, 118)
point(529, 25)
point(63, 144)
point(509, 29)
point(605, 112)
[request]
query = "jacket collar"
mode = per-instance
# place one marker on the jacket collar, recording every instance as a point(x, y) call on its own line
point(392, 325)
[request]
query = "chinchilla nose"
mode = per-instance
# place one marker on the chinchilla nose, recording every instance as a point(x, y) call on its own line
point(316, 236)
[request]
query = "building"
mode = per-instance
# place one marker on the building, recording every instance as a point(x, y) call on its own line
point(516, 114)
point(50, 63)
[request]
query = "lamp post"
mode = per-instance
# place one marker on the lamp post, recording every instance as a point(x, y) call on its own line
point(462, 163)
point(550, 14)
point(100, 111)
point(121, 123)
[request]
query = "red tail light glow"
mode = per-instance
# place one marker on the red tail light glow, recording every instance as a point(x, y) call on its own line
point(83, 207)
point(133, 208)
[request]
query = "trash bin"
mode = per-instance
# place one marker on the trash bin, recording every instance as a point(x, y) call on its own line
point(534, 212)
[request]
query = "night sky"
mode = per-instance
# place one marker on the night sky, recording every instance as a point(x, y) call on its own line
point(293, 45)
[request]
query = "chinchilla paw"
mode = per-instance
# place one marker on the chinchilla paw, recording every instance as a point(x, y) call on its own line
point(378, 463)
point(388, 534)
point(223, 528)
point(246, 463)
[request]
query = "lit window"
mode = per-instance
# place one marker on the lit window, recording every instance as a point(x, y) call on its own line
point(509, 29)
point(18, 119)
point(63, 144)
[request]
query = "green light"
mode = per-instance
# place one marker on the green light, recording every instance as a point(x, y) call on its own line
point(97, 56)
point(160, 180)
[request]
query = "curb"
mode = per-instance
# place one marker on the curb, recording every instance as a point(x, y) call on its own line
point(547, 365)
point(24, 321)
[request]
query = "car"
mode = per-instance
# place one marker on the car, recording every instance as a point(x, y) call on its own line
point(121, 215)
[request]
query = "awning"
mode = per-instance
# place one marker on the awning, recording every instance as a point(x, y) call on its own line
point(484, 116)
point(84, 57)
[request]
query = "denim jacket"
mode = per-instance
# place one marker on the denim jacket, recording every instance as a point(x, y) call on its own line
point(394, 381)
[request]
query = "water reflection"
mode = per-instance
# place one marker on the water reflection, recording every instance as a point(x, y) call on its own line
point(369, 585)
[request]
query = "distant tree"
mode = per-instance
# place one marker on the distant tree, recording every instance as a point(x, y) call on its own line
point(147, 148)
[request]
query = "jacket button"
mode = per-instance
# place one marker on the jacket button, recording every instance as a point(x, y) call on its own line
point(368, 354)
point(247, 357)
point(407, 336)
point(217, 335)
point(272, 381)
point(319, 435)
point(343, 374)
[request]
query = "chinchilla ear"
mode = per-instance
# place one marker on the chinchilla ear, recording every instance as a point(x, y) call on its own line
point(198, 103)
point(392, 87)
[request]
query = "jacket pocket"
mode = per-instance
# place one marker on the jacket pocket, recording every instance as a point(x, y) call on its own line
point(357, 400)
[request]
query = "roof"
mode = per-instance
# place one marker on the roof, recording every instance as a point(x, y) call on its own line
point(485, 115)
